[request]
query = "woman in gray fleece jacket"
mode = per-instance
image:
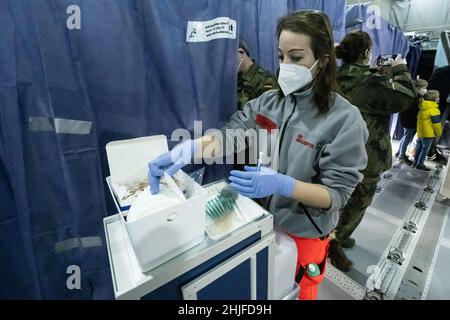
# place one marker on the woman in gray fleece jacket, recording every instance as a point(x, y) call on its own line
point(315, 139)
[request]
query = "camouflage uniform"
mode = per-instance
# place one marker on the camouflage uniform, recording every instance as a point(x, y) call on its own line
point(377, 97)
point(253, 83)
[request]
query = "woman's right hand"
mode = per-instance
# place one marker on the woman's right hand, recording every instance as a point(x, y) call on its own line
point(170, 162)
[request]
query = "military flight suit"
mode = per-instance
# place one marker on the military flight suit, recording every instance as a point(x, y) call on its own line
point(253, 83)
point(377, 97)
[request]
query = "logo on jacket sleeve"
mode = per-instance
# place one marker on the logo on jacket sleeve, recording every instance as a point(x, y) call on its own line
point(302, 140)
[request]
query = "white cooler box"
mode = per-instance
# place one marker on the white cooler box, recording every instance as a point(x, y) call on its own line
point(285, 265)
point(165, 233)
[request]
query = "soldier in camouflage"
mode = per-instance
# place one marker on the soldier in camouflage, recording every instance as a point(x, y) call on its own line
point(252, 79)
point(377, 94)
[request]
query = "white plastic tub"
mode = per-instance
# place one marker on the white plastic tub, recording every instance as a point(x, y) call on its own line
point(166, 233)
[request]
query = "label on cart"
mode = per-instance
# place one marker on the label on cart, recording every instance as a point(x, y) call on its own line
point(219, 28)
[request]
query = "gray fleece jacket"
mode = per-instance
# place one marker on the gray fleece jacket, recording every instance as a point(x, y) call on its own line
point(325, 149)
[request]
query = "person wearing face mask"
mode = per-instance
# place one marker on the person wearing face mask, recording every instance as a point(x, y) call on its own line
point(253, 80)
point(316, 160)
point(408, 120)
point(377, 94)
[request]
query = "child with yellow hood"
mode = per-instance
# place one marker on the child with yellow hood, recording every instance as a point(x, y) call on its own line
point(428, 127)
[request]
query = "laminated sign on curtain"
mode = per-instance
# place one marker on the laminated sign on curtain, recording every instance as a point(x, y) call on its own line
point(219, 28)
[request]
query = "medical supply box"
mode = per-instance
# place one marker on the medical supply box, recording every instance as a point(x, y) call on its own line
point(164, 233)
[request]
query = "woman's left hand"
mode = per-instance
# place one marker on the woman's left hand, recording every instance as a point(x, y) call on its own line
point(259, 184)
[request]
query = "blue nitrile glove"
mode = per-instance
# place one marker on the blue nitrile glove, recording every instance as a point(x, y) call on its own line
point(259, 184)
point(170, 162)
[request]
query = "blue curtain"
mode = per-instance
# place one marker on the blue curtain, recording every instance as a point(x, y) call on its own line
point(442, 59)
point(258, 25)
point(127, 73)
point(386, 40)
point(336, 11)
point(413, 57)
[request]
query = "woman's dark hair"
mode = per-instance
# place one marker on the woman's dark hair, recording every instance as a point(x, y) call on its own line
point(316, 25)
point(353, 47)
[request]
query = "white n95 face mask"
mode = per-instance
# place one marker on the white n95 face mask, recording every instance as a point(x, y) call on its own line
point(293, 77)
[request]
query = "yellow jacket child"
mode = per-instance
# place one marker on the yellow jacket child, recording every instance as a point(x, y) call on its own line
point(429, 117)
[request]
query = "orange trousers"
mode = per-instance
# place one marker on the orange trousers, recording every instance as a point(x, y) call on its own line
point(311, 251)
